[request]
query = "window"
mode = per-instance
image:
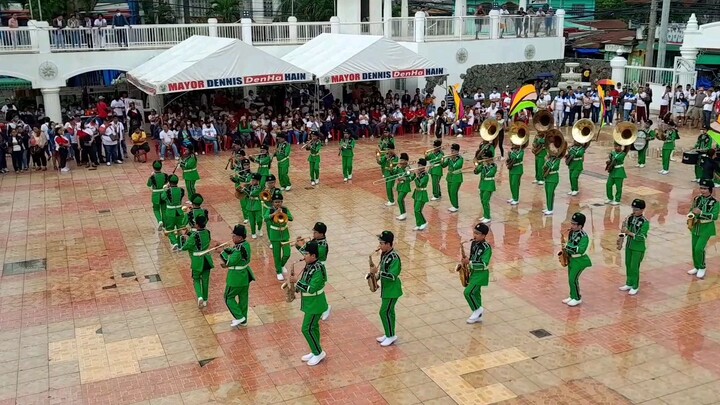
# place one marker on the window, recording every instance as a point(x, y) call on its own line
point(400, 84)
point(268, 9)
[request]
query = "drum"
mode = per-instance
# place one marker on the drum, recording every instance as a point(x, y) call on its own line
point(641, 141)
point(690, 157)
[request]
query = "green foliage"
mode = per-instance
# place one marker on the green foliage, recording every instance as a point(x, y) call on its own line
point(157, 12)
point(226, 11)
point(308, 10)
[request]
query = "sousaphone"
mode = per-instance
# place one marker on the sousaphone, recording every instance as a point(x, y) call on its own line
point(489, 130)
point(582, 131)
point(625, 133)
point(555, 143)
point(543, 121)
point(520, 134)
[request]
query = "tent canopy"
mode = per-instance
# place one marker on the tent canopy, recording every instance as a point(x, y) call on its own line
point(201, 62)
point(342, 58)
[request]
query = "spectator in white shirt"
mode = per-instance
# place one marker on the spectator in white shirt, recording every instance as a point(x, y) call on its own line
point(629, 103)
point(479, 98)
point(210, 135)
point(167, 139)
point(118, 107)
point(708, 103)
point(110, 144)
point(119, 130)
point(558, 107)
point(491, 111)
point(396, 122)
point(494, 97)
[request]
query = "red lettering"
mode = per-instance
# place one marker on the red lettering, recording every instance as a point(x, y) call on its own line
point(399, 74)
point(350, 77)
point(183, 86)
point(173, 87)
point(269, 78)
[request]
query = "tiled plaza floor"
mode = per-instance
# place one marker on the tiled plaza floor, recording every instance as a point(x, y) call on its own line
point(105, 313)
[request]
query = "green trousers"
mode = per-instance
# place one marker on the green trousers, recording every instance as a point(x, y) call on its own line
point(539, 168)
point(699, 242)
point(473, 296)
point(515, 186)
point(419, 217)
point(236, 299)
point(311, 331)
point(401, 201)
point(387, 315)
point(485, 201)
point(281, 255)
point(172, 222)
point(263, 179)
point(574, 272)
point(633, 258)
point(347, 166)
point(435, 179)
point(243, 208)
point(574, 180)
point(284, 175)
point(666, 153)
point(389, 186)
point(453, 190)
point(190, 187)
point(698, 172)
point(550, 195)
point(201, 282)
point(614, 195)
point(642, 156)
point(255, 221)
point(314, 171)
point(158, 210)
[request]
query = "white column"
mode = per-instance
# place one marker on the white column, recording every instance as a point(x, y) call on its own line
point(293, 28)
point(420, 22)
point(156, 102)
point(523, 4)
point(559, 22)
point(618, 64)
point(460, 8)
point(460, 21)
point(404, 14)
point(334, 25)
point(387, 15)
point(51, 100)
point(494, 24)
point(376, 9)
point(686, 69)
point(40, 35)
point(246, 27)
point(212, 27)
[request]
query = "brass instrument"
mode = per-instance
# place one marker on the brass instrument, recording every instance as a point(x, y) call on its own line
point(372, 278)
point(241, 192)
point(563, 255)
point(289, 287)
point(519, 134)
point(622, 234)
point(625, 133)
point(692, 220)
point(280, 217)
point(463, 270)
point(660, 132)
point(537, 148)
point(206, 251)
point(266, 196)
point(610, 163)
point(582, 131)
point(543, 121)
point(300, 241)
point(555, 143)
point(379, 152)
point(179, 231)
point(490, 129)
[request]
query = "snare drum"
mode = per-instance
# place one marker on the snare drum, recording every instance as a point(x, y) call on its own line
point(690, 157)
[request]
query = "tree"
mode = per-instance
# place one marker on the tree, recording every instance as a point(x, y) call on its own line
point(227, 11)
point(307, 10)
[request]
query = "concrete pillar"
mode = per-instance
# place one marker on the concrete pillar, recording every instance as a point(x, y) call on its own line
point(559, 22)
point(246, 27)
point(460, 8)
point(212, 27)
point(460, 21)
point(376, 9)
point(404, 14)
point(420, 22)
point(387, 18)
point(40, 35)
point(618, 64)
point(494, 24)
point(686, 66)
point(334, 25)
point(523, 4)
point(51, 100)
point(293, 28)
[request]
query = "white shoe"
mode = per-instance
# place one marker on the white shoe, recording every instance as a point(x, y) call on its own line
point(486, 220)
point(434, 198)
point(453, 209)
point(633, 291)
point(515, 203)
point(280, 277)
point(245, 221)
point(534, 181)
point(477, 313)
point(317, 182)
point(481, 219)
point(692, 272)
point(574, 303)
point(200, 302)
point(661, 171)
point(417, 228)
point(665, 172)
point(270, 245)
point(641, 166)
point(254, 236)
point(118, 162)
point(566, 300)
point(388, 341)
point(307, 357)
point(696, 181)
point(381, 338)
point(237, 322)
point(160, 226)
point(284, 270)
point(548, 213)
point(205, 303)
point(260, 234)
point(350, 177)
point(540, 183)
point(569, 193)
point(108, 163)
point(459, 136)
point(700, 273)
point(312, 183)
point(471, 320)
point(615, 203)
point(625, 288)
point(574, 193)
point(288, 188)
point(401, 217)
point(423, 226)
point(326, 314)
point(510, 201)
point(389, 204)
point(637, 165)
point(345, 179)
point(608, 202)
point(316, 359)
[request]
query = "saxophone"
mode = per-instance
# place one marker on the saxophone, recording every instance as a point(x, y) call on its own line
point(463, 270)
point(563, 256)
point(289, 287)
point(622, 235)
point(692, 220)
point(372, 278)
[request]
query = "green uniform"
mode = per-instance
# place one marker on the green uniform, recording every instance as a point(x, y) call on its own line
point(386, 143)
point(575, 159)
point(703, 144)
point(254, 208)
point(190, 173)
point(347, 153)
point(390, 289)
point(635, 248)
point(388, 165)
point(193, 215)
point(282, 154)
point(266, 206)
point(486, 186)
point(313, 302)
point(323, 249)
point(239, 276)
point(314, 160)
point(420, 195)
point(279, 237)
point(156, 182)
point(704, 228)
point(516, 156)
point(668, 148)
point(434, 161)
point(174, 217)
point(642, 154)
point(403, 186)
point(480, 255)
point(454, 178)
point(200, 264)
point(540, 157)
point(551, 166)
point(264, 162)
point(616, 176)
point(577, 246)
point(241, 180)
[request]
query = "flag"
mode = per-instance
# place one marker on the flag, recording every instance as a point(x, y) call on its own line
point(601, 96)
point(524, 97)
point(459, 107)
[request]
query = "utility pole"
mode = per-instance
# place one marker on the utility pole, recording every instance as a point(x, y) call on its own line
point(662, 41)
point(650, 40)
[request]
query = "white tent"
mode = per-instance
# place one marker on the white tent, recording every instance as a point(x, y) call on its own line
point(201, 62)
point(341, 58)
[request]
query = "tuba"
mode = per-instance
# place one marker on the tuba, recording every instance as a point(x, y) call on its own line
point(372, 278)
point(489, 130)
point(563, 256)
point(462, 269)
point(625, 133)
point(543, 121)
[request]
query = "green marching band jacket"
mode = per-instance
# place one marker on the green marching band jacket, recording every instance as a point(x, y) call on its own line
point(480, 255)
point(311, 287)
point(237, 259)
point(705, 221)
point(389, 273)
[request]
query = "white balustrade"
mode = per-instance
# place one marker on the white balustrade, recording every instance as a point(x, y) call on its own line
point(402, 29)
point(135, 37)
point(13, 40)
point(229, 31)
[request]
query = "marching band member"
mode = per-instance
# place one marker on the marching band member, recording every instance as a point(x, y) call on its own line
point(516, 170)
point(552, 178)
point(314, 159)
point(347, 146)
point(254, 204)
point(702, 146)
point(434, 159)
point(313, 302)
point(420, 195)
point(271, 190)
point(200, 264)
point(649, 136)
point(703, 214)
point(172, 197)
point(156, 182)
point(390, 286)
point(386, 141)
point(487, 169)
point(574, 160)
point(387, 162)
point(576, 248)
point(188, 164)
point(668, 143)
point(264, 161)
point(239, 276)
point(278, 234)
point(454, 163)
point(403, 184)
point(282, 154)
point(478, 262)
point(196, 210)
point(242, 178)
point(539, 144)
point(635, 228)
point(616, 175)
point(319, 231)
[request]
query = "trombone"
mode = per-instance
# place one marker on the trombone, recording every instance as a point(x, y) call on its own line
point(206, 251)
point(396, 176)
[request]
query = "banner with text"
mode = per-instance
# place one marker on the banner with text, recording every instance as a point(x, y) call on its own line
point(384, 75)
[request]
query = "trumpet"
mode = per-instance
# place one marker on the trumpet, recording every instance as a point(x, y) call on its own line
point(372, 278)
point(300, 241)
point(289, 287)
point(206, 251)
